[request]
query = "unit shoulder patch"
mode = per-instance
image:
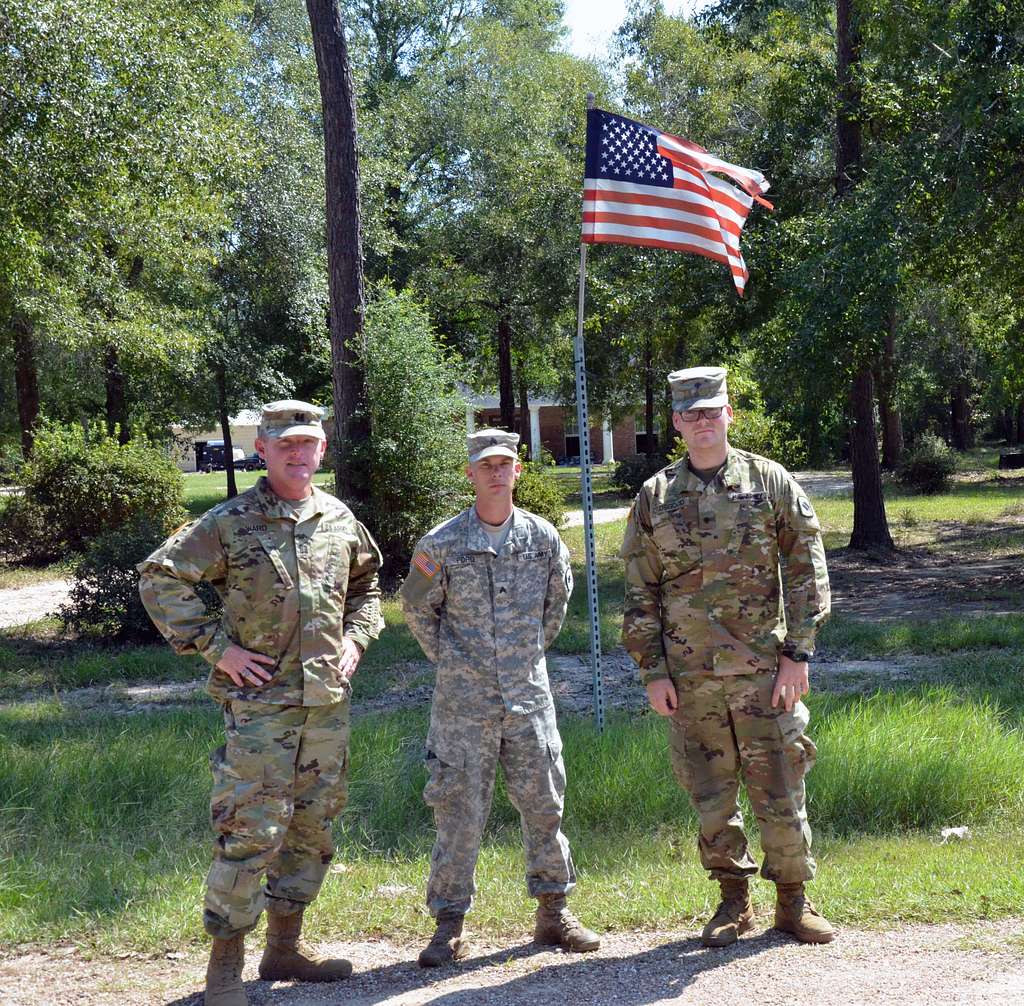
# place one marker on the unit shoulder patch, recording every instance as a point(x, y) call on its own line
point(804, 505)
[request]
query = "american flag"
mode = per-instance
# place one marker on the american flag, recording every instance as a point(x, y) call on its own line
point(646, 187)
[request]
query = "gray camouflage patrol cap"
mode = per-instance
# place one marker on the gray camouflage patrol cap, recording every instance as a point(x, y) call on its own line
point(698, 388)
point(291, 419)
point(486, 443)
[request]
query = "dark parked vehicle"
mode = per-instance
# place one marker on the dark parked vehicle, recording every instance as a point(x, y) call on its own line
point(251, 463)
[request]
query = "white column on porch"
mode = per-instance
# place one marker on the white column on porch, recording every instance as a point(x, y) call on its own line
point(470, 420)
point(535, 444)
point(608, 455)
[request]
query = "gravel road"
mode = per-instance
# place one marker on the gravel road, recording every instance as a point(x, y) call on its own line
point(914, 966)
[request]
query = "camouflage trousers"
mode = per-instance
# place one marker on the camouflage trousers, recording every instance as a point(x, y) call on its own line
point(277, 782)
point(462, 758)
point(725, 729)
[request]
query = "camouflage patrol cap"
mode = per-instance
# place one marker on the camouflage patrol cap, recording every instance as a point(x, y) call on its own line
point(698, 388)
point(486, 443)
point(290, 418)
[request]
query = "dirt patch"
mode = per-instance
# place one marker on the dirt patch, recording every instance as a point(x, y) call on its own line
point(918, 584)
point(19, 605)
point(915, 966)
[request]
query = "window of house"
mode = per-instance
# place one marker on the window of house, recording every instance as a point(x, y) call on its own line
point(640, 440)
point(572, 437)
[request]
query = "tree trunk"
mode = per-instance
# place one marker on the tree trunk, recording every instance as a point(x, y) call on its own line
point(116, 400)
point(1007, 428)
point(1020, 421)
point(225, 427)
point(506, 396)
point(344, 250)
point(960, 416)
point(524, 415)
point(26, 380)
point(870, 527)
point(848, 135)
point(888, 406)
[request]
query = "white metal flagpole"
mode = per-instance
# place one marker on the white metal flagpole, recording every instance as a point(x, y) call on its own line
point(583, 421)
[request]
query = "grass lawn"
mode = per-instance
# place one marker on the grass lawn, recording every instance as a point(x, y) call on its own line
point(104, 838)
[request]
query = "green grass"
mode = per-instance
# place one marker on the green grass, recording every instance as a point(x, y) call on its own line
point(967, 503)
point(936, 636)
point(103, 823)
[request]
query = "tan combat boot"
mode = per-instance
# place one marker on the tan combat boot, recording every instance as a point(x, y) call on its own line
point(448, 942)
point(224, 973)
point(734, 916)
point(795, 914)
point(288, 958)
point(558, 927)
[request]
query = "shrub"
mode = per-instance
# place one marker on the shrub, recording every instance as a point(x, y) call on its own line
point(417, 458)
point(77, 488)
point(104, 599)
point(539, 493)
point(632, 472)
point(929, 466)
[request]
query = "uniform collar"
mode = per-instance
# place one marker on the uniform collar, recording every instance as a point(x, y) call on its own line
point(276, 507)
point(476, 536)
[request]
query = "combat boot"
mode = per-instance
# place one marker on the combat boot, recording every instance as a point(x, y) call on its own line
point(734, 916)
point(448, 942)
point(224, 973)
point(558, 927)
point(289, 958)
point(795, 914)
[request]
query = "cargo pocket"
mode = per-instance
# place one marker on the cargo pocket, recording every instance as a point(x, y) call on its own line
point(446, 764)
point(799, 751)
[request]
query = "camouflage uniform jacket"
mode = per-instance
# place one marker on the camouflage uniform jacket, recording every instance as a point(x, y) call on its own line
point(704, 568)
point(290, 591)
point(486, 618)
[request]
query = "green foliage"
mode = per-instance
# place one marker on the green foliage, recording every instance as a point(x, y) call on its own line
point(104, 600)
point(417, 458)
point(77, 488)
point(929, 466)
point(632, 472)
point(539, 492)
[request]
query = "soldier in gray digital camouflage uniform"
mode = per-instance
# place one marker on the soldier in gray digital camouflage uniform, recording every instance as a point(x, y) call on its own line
point(486, 595)
point(298, 577)
point(726, 585)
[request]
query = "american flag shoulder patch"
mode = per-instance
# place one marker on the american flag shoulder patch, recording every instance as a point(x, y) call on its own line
point(425, 564)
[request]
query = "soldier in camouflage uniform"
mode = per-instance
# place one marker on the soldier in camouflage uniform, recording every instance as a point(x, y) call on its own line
point(486, 595)
point(726, 585)
point(298, 577)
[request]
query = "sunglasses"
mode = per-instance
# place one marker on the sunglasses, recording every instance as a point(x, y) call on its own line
point(692, 415)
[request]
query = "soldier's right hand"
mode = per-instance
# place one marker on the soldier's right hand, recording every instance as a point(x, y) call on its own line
point(243, 667)
point(661, 694)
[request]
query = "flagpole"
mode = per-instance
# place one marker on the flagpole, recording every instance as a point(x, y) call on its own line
point(587, 489)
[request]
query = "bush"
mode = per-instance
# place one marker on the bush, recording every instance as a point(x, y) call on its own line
point(77, 488)
point(539, 493)
point(632, 472)
point(104, 599)
point(417, 458)
point(929, 466)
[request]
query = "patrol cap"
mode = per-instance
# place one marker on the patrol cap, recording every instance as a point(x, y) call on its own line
point(486, 443)
point(698, 388)
point(290, 418)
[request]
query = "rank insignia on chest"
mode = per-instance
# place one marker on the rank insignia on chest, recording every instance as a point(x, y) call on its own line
point(425, 564)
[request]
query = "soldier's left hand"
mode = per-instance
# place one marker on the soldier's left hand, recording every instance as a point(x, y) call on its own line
point(791, 682)
point(350, 656)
